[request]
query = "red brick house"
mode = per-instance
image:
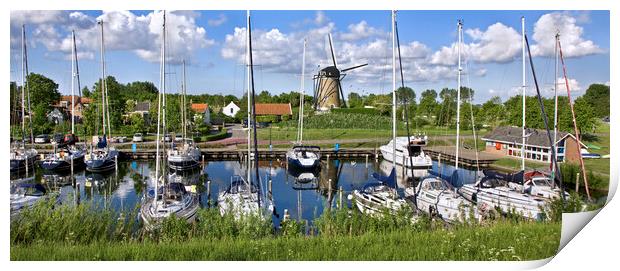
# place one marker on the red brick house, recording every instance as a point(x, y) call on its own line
point(507, 141)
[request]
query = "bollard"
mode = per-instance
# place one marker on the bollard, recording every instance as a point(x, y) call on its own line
point(286, 215)
point(328, 160)
point(203, 159)
point(577, 183)
point(439, 160)
point(329, 188)
point(116, 163)
point(366, 160)
point(340, 198)
point(209, 189)
point(270, 186)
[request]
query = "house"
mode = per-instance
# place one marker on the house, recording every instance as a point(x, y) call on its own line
point(142, 109)
point(81, 103)
point(230, 110)
point(201, 110)
point(56, 116)
point(273, 109)
point(506, 140)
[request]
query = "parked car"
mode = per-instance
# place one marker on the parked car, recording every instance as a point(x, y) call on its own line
point(58, 138)
point(71, 139)
point(178, 137)
point(137, 137)
point(41, 139)
point(167, 138)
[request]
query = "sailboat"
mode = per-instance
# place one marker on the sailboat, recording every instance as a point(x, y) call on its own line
point(67, 155)
point(22, 158)
point(242, 197)
point(103, 157)
point(525, 192)
point(185, 156)
point(433, 195)
point(172, 198)
point(381, 195)
point(303, 157)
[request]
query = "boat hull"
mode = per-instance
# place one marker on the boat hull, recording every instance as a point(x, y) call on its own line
point(18, 165)
point(62, 165)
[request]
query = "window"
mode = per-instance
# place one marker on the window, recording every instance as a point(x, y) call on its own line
point(231, 110)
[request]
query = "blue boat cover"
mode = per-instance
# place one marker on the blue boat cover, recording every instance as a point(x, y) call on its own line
point(387, 180)
point(102, 142)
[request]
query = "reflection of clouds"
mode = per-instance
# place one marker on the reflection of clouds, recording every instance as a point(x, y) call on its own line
point(234, 168)
point(124, 188)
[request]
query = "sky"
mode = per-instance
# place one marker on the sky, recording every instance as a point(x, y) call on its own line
point(213, 45)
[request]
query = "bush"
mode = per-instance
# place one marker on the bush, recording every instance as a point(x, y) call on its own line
point(366, 111)
point(344, 121)
point(220, 135)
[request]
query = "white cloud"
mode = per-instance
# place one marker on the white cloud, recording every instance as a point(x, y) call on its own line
point(359, 31)
point(321, 18)
point(123, 30)
point(498, 43)
point(572, 83)
point(221, 19)
point(573, 44)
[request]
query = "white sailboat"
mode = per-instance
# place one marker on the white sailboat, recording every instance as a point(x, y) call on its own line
point(526, 192)
point(102, 157)
point(67, 155)
point(185, 156)
point(22, 158)
point(379, 196)
point(433, 195)
point(172, 198)
point(303, 157)
point(242, 198)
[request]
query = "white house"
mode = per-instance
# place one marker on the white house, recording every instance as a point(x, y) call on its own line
point(201, 109)
point(231, 110)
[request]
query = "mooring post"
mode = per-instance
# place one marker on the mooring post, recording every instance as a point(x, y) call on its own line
point(203, 159)
point(77, 193)
point(577, 183)
point(366, 160)
point(329, 190)
point(116, 163)
point(286, 215)
point(439, 160)
point(328, 159)
point(270, 194)
point(340, 198)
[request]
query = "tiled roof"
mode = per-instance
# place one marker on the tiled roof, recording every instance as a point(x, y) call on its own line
point(534, 137)
point(274, 109)
point(142, 107)
point(199, 108)
point(78, 99)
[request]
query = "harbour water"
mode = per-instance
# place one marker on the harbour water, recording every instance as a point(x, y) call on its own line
point(303, 196)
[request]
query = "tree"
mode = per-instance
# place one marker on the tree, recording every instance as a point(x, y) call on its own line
point(354, 100)
point(405, 95)
point(597, 96)
point(491, 113)
point(428, 103)
point(116, 102)
point(43, 91)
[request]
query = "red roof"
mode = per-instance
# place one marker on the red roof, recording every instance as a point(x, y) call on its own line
point(274, 109)
point(83, 100)
point(200, 108)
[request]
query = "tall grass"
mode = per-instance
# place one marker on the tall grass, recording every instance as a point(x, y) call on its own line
point(87, 232)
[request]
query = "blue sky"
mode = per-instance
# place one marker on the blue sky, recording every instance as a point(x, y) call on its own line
point(212, 42)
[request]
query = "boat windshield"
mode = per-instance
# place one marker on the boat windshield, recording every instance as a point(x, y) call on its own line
point(541, 182)
point(414, 150)
point(434, 185)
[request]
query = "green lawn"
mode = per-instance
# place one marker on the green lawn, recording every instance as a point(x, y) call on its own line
point(526, 241)
point(287, 133)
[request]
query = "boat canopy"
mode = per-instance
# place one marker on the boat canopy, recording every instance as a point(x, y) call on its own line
point(102, 142)
point(306, 148)
point(382, 179)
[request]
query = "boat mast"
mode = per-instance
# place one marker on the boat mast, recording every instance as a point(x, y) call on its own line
point(572, 110)
point(248, 67)
point(301, 96)
point(253, 108)
point(24, 85)
point(555, 94)
point(394, 91)
point(77, 67)
point(102, 83)
point(73, 74)
point(162, 86)
point(523, 92)
point(458, 93)
point(183, 106)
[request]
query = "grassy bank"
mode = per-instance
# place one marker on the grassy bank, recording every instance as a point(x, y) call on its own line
point(290, 133)
point(500, 242)
point(85, 232)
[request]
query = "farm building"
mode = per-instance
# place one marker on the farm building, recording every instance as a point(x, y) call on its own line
point(273, 109)
point(506, 140)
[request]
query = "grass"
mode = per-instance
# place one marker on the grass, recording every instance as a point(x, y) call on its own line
point(86, 232)
point(501, 242)
point(290, 133)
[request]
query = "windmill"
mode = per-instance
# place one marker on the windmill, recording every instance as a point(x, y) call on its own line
point(327, 87)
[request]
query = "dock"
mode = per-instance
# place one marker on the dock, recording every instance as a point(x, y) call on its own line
point(467, 157)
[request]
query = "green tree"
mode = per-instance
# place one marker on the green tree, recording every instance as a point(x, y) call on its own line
point(597, 96)
point(354, 100)
point(43, 91)
point(428, 103)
